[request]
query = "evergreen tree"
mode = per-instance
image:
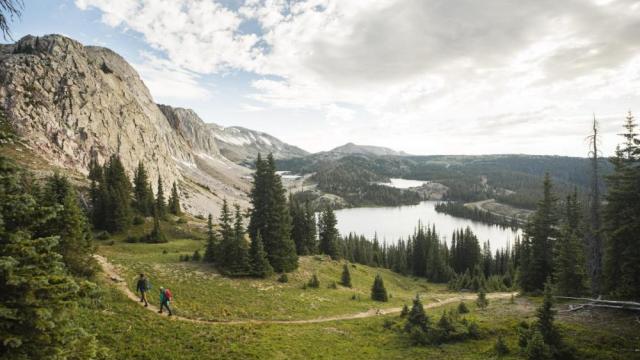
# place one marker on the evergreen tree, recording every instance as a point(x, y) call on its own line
point(345, 279)
point(378, 291)
point(212, 242)
point(117, 189)
point(542, 233)
point(38, 297)
point(621, 214)
point(270, 216)
point(98, 194)
point(157, 234)
point(570, 269)
point(227, 237)
point(142, 193)
point(70, 224)
point(174, 201)
point(482, 302)
point(260, 266)
point(240, 252)
point(417, 317)
point(329, 234)
point(161, 204)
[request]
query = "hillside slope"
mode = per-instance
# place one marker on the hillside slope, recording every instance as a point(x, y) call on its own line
point(70, 103)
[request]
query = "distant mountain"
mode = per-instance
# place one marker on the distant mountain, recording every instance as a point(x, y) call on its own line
point(243, 145)
point(351, 149)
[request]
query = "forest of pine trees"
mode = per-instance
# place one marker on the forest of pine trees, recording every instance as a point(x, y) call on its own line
point(45, 252)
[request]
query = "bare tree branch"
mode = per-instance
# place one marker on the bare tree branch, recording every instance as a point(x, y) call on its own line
point(8, 10)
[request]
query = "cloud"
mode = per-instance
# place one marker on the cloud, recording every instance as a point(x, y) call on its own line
point(514, 67)
point(165, 80)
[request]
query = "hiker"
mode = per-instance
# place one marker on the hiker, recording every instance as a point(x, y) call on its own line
point(142, 287)
point(165, 299)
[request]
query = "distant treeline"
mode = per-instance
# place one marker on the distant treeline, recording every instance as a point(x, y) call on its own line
point(463, 264)
point(510, 179)
point(458, 209)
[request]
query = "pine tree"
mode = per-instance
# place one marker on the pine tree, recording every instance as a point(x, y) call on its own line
point(270, 216)
point(417, 317)
point(38, 297)
point(174, 201)
point(378, 291)
point(157, 234)
point(97, 194)
point(542, 234)
point(142, 193)
point(570, 269)
point(117, 189)
point(329, 234)
point(345, 279)
point(212, 242)
point(621, 213)
point(545, 318)
point(227, 238)
point(240, 252)
point(482, 302)
point(260, 266)
point(70, 223)
point(161, 204)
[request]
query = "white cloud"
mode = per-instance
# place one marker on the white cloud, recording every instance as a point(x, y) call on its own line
point(416, 65)
point(165, 80)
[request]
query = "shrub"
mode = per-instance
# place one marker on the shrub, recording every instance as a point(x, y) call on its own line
point(138, 220)
point(462, 308)
point(181, 220)
point(314, 282)
point(346, 276)
point(500, 347)
point(131, 239)
point(405, 311)
point(333, 285)
point(482, 300)
point(196, 256)
point(283, 278)
point(103, 235)
point(111, 243)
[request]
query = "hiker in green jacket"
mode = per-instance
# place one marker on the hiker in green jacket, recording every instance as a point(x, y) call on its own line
point(165, 299)
point(142, 287)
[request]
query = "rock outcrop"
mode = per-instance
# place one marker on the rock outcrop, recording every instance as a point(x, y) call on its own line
point(70, 102)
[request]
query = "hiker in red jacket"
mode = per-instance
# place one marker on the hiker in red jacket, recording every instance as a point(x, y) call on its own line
point(165, 299)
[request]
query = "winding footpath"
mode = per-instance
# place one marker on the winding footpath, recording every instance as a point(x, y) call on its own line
point(112, 275)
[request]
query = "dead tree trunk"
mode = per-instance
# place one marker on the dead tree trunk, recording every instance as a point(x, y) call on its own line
point(594, 233)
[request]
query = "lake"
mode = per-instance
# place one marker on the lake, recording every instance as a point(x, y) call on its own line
point(403, 183)
point(393, 222)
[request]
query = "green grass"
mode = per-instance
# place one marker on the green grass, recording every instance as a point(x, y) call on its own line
point(127, 331)
point(200, 292)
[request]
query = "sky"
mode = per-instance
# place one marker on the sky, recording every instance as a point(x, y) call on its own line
point(421, 76)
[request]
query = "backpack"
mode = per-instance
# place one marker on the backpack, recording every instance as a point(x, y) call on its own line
point(168, 295)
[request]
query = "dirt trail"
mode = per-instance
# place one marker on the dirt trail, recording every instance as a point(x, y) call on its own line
point(112, 274)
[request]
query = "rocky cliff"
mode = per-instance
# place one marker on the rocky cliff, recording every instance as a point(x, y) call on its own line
point(70, 102)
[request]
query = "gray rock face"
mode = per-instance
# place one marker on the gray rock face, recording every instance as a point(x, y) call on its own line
point(243, 145)
point(192, 129)
point(70, 102)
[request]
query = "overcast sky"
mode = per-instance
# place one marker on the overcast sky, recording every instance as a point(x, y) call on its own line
point(423, 76)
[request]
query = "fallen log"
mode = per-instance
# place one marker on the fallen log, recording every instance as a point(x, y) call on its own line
point(610, 302)
point(595, 305)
